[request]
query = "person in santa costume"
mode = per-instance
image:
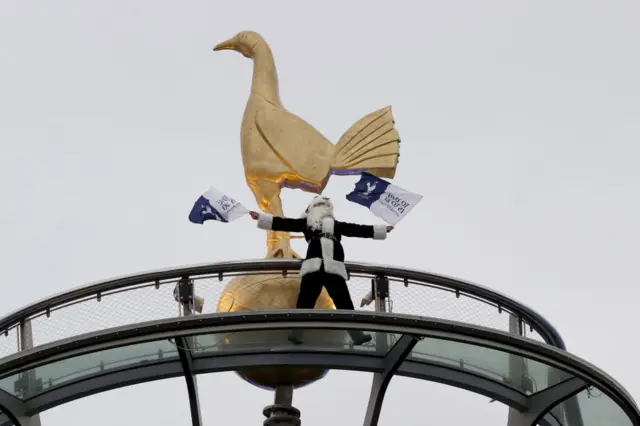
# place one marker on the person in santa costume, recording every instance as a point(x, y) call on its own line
point(323, 265)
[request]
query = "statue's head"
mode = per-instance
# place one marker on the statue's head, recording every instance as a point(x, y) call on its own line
point(244, 42)
point(319, 208)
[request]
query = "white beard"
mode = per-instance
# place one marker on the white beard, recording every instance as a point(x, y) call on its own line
point(315, 216)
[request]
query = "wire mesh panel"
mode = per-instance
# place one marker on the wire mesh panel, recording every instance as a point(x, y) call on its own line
point(129, 306)
point(250, 290)
point(9, 342)
point(411, 298)
point(419, 299)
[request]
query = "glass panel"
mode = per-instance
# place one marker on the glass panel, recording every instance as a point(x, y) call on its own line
point(595, 408)
point(525, 375)
point(318, 339)
point(40, 379)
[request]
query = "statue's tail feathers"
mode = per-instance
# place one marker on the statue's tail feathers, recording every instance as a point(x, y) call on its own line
point(371, 145)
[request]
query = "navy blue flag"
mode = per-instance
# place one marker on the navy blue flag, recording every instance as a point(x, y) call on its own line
point(387, 201)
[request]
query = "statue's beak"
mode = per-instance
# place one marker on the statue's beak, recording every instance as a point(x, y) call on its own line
point(226, 45)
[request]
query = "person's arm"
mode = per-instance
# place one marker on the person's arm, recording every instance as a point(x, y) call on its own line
point(377, 232)
point(275, 223)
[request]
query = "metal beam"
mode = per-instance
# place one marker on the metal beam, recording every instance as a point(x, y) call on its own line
point(349, 361)
point(540, 403)
point(549, 420)
point(14, 409)
point(186, 360)
point(392, 361)
point(12, 404)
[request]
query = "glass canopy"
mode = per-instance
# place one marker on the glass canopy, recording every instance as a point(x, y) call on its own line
point(492, 365)
point(597, 409)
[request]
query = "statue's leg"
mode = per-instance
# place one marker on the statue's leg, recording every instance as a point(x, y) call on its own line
point(279, 243)
point(267, 195)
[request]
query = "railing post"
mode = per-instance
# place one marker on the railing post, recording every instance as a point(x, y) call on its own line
point(27, 383)
point(184, 294)
point(380, 289)
point(517, 373)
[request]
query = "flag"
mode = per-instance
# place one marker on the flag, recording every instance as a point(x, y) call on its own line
point(383, 199)
point(214, 205)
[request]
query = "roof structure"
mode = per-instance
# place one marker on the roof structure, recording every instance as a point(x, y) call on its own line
point(46, 362)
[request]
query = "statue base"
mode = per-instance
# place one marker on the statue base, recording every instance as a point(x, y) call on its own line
point(282, 413)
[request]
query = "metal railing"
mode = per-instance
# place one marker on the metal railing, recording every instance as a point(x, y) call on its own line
point(149, 296)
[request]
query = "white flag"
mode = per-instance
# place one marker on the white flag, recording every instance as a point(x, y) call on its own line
point(214, 205)
point(387, 201)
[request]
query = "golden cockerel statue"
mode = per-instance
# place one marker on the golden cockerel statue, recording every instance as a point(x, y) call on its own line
point(279, 149)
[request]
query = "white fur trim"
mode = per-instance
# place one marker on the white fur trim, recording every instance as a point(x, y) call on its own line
point(265, 221)
point(331, 266)
point(379, 232)
point(310, 265)
point(328, 226)
point(327, 250)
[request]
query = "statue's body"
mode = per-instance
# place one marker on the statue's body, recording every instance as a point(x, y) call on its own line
point(279, 149)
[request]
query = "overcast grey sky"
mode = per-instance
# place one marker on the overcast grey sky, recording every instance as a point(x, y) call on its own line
point(519, 125)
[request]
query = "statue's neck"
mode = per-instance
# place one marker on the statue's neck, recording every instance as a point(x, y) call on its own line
point(265, 76)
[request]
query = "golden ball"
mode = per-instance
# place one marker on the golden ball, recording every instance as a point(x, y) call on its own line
point(265, 292)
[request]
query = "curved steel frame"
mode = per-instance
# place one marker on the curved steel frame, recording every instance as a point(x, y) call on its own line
point(536, 321)
point(534, 408)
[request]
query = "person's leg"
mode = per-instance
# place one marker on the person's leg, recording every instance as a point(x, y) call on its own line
point(338, 291)
point(310, 289)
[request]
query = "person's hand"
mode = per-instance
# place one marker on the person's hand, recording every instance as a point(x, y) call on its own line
point(389, 228)
point(254, 215)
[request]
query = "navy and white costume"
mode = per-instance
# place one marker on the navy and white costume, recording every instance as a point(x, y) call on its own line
point(323, 265)
point(325, 249)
